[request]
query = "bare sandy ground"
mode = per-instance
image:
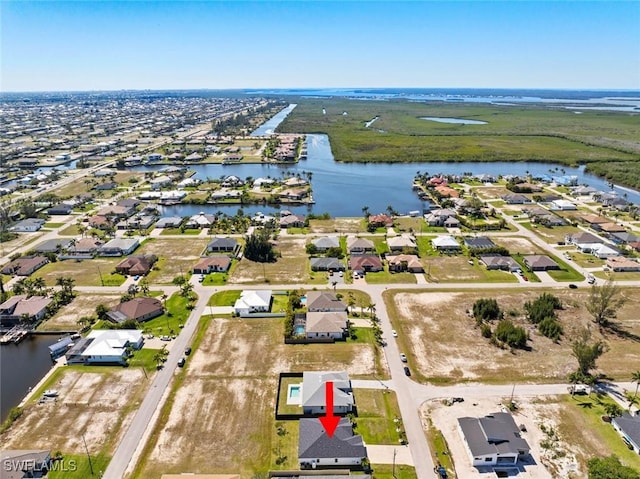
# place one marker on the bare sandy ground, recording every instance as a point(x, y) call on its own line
point(516, 244)
point(95, 404)
point(83, 305)
point(558, 461)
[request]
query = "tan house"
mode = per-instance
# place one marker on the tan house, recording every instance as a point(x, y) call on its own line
point(405, 262)
point(13, 310)
point(212, 264)
point(138, 309)
point(24, 266)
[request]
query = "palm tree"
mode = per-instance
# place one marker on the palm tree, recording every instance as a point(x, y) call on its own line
point(635, 378)
point(365, 211)
point(372, 309)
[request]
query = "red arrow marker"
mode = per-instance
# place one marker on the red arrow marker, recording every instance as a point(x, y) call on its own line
point(329, 422)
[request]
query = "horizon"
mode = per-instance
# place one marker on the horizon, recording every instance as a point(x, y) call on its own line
point(241, 45)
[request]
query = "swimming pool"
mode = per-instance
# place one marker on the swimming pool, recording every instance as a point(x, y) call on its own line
point(294, 394)
point(298, 330)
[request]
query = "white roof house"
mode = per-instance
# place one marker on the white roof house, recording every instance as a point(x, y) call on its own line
point(445, 242)
point(605, 251)
point(106, 346)
point(253, 301)
point(564, 205)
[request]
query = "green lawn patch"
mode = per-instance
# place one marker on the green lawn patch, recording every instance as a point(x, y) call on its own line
point(224, 298)
point(566, 273)
point(386, 471)
point(70, 231)
point(53, 225)
point(437, 446)
point(178, 231)
point(378, 416)
point(172, 320)
point(78, 466)
point(425, 248)
point(383, 277)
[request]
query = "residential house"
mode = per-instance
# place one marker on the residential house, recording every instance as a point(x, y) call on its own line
point(451, 222)
point(60, 209)
point(314, 392)
point(212, 264)
point(505, 263)
point(479, 243)
point(160, 182)
point(84, 246)
point(223, 245)
point(130, 203)
point(295, 194)
point(317, 450)
point(106, 186)
point(628, 426)
point(24, 266)
point(515, 199)
point(117, 211)
point(593, 220)
point(324, 301)
point(620, 263)
point(326, 242)
point(118, 247)
point(294, 182)
point(327, 264)
point(194, 157)
point(169, 222)
point(604, 251)
point(100, 222)
point(292, 221)
point(446, 191)
point(136, 265)
point(108, 346)
point(321, 324)
point(493, 440)
point(609, 228)
point(402, 243)
point(583, 190)
point(445, 243)
point(624, 238)
point(14, 309)
point(28, 225)
point(563, 205)
point(582, 238)
point(139, 309)
point(537, 262)
point(137, 222)
point(357, 245)
point(438, 217)
point(200, 220)
point(52, 246)
point(24, 463)
point(381, 221)
point(253, 301)
point(405, 262)
point(365, 263)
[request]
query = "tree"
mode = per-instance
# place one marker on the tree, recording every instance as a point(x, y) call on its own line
point(486, 309)
point(635, 378)
point(186, 289)
point(101, 311)
point(603, 302)
point(587, 351)
point(514, 336)
point(542, 307)
point(613, 410)
point(365, 211)
point(144, 286)
point(259, 248)
point(609, 468)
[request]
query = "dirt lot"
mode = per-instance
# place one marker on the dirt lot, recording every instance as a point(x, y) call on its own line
point(338, 225)
point(229, 391)
point(83, 305)
point(532, 413)
point(85, 272)
point(448, 269)
point(491, 192)
point(176, 256)
point(447, 347)
point(97, 404)
point(290, 268)
point(516, 244)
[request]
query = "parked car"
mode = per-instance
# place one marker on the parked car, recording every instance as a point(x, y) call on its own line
point(201, 279)
point(181, 362)
point(403, 357)
point(394, 333)
point(573, 286)
point(407, 372)
point(187, 351)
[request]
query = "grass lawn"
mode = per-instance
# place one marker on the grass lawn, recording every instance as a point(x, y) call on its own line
point(567, 273)
point(384, 277)
point(425, 248)
point(620, 276)
point(297, 231)
point(582, 426)
point(53, 225)
point(71, 230)
point(90, 272)
point(377, 411)
point(385, 471)
point(224, 298)
point(456, 269)
point(438, 445)
point(76, 466)
point(172, 320)
point(290, 267)
point(143, 358)
point(586, 260)
point(551, 235)
point(178, 231)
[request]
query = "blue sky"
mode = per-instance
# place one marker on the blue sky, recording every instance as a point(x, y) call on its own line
point(52, 45)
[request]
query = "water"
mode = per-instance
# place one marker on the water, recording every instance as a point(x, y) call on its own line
point(461, 121)
point(21, 367)
point(269, 126)
point(343, 189)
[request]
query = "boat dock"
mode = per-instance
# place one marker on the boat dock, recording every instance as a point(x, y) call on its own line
point(14, 335)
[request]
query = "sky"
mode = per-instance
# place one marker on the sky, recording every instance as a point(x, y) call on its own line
point(105, 45)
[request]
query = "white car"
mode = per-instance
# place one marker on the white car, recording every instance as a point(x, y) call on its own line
point(403, 358)
point(394, 333)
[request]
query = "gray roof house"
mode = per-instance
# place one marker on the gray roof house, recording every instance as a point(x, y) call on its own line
point(118, 247)
point(324, 301)
point(313, 392)
point(359, 245)
point(169, 222)
point(505, 263)
point(52, 246)
point(325, 264)
point(22, 463)
point(537, 262)
point(479, 242)
point(219, 245)
point(493, 440)
point(316, 449)
point(27, 226)
point(628, 427)
point(324, 243)
point(330, 324)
